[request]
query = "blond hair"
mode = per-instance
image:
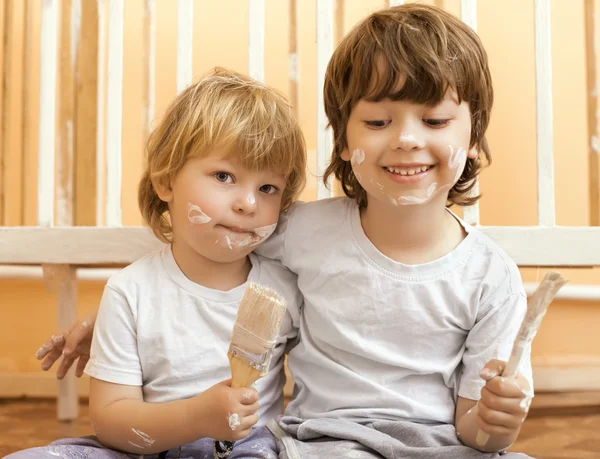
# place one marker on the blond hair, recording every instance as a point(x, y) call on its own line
point(435, 51)
point(232, 112)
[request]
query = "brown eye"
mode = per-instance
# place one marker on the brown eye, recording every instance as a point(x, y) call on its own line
point(223, 177)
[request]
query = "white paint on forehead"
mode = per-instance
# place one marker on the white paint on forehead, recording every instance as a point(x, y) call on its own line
point(196, 216)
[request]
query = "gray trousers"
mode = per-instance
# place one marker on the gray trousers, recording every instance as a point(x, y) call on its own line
point(260, 444)
point(335, 438)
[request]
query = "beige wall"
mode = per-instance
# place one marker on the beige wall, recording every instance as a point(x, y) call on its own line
point(509, 186)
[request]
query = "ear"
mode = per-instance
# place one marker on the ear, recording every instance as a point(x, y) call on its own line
point(345, 154)
point(163, 191)
point(472, 153)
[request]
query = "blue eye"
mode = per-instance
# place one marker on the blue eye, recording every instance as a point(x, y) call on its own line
point(223, 177)
point(268, 189)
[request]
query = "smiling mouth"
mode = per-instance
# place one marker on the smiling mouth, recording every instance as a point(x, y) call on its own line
point(408, 171)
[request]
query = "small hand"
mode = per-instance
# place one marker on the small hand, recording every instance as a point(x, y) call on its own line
point(227, 413)
point(72, 344)
point(504, 402)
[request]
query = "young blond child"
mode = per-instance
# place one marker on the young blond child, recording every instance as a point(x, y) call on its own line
point(226, 158)
point(409, 313)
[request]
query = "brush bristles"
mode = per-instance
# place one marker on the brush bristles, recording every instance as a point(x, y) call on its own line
point(261, 312)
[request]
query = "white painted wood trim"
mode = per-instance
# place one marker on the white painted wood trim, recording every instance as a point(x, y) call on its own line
point(47, 122)
point(545, 131)
point(395, 2)
point(468, 13)
point(114, 119)
point(40, 384)
point(185, 37)
point(89, 245)
point(256, 39)
point(563, 373)
point(325, 15)
point(101, 115)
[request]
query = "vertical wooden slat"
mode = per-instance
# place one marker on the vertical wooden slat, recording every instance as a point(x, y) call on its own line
point(293, 57)
point(149, 66)
point(31, 112)
point(591, 49)
point(65, 155)
point(468, 13)
point(2, 105)
point(47, 130)
point(101, 114)
point(12, 135)
point(185, 36)
point(545, 131)
point(114, 115)
point(86, 113)
point(256, 39)
point(324, 50)
point(63, 279)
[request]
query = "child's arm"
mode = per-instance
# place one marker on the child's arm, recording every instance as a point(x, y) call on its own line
point(123, 421)
point(500, 412)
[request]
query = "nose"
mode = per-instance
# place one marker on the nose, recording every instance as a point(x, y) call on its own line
point(407, 140)
point(245, 202)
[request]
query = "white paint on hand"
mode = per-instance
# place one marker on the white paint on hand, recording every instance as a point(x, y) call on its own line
point(525, 403)
point(487, 374)
point(234, 421)
point(196, 216)
point(246, 395)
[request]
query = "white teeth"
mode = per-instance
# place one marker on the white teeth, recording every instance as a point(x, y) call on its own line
point(407, 172)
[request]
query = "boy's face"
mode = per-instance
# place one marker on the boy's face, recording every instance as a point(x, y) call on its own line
point(220, 209)
point(405, 153)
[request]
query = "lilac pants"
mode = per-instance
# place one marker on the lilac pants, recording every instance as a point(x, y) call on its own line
point(260, 444)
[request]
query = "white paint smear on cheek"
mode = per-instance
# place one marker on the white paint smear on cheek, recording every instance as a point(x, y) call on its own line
point(196, 216)
point(234, 421)
point(265, 231)
point(358, 157)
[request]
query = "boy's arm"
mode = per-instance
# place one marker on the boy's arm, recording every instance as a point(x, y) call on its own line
point(123, 421)
point(500, 412)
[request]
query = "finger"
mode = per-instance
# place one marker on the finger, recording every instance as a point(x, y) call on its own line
point(50, 359)
point(247, 422)
point(81, 331)
point(491, 429)
point(492, 369)
point(66, 363)
point(83, 360)
point(505, 387)
point(249, 396)
point(504, 404)
point(49, 346)
point(499, 418)
point(241, 434)
point(248, 410)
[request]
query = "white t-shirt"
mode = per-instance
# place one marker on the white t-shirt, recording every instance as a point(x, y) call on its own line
point(381, 340)
point(159, 330)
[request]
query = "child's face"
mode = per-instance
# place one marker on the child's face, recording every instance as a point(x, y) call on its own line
point(405, 153)
point(222, 210)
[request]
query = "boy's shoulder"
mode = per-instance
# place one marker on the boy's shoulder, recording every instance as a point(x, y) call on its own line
point(498, 270)
point(141, 271)
point(329, 210)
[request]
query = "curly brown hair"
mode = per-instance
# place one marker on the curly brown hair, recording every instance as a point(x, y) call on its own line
point(229, 111)
point(435, 51)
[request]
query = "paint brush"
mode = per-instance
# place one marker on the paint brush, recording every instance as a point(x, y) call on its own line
point(253, 338)
point(536, 310)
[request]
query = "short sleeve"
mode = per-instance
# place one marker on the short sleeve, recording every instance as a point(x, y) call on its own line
point(114, 353)
point(492, 337)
